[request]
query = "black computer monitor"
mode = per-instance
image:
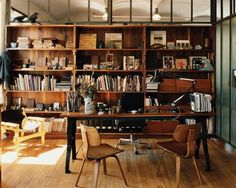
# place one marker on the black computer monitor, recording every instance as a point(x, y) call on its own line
point(132, 101)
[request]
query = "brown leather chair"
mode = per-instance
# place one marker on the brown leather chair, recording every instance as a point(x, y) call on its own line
point(183, 144)
point(93, 149)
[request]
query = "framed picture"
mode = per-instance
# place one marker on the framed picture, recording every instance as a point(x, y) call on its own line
point(196, 62)
point(182, 44)
point(56, 106)
point(181, 64)
point(109, 61)
point(128, 63)
point(158, 38)
point(168, 62)
point(170, 45)
point(16, 102)
point(113, 40)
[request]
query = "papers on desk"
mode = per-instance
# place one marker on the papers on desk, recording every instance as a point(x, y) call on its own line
point(200, 102)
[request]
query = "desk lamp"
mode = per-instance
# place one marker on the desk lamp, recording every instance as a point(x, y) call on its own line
point(158, 78)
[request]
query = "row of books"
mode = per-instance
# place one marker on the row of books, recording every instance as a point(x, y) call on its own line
point(114, 83)
point(200, 102)
point(118, 83)
point(150, 101)
point(29, 82)
point(56, 125)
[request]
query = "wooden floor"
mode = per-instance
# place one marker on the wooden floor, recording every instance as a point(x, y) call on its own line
point(43, 167)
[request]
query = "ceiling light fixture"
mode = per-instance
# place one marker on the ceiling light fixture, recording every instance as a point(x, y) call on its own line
point(156, 16)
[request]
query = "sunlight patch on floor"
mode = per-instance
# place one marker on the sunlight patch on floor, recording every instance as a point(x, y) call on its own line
point(8, 157)
point(47, 158)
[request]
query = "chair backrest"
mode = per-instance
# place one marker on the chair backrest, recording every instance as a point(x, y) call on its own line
point(90, 137)
point(187, 134)
point(13, 116)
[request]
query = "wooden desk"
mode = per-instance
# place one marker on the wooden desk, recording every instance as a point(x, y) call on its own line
point(73, 116)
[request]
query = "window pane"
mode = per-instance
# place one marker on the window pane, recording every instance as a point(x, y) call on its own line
point(201, 11)
point(233, 88)
point(20, 5)
point(58, 11)
point(41, 7)
point(78, 10)
point(182, 11)
point(98, 10)
point(120, 10)
point(218, 79)
point(226, 8)
point(218, 10)
point(141, 10)
point(225, 80)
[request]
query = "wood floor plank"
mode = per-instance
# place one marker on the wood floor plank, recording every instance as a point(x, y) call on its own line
point(43, 167)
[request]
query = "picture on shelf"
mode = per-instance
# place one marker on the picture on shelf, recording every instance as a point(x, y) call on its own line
point(196, 62)
point(168, 62)
point(128, 63)
point(170, 45)
point(88, 41)
point(181, 64)
point(16, 102)
point(113, 40)
point(110, 61)
point(182, 44)
point(158, 39)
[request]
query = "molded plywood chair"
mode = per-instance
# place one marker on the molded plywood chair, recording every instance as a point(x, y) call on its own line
point(183, 144)
point(93, 149)
point(19, 123)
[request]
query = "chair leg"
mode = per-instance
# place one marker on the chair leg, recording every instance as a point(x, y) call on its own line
point(16, 140)
point(122, 173)
point(159, 166)
point(196, 167)
point(80, 172)
point(43, 138)
point(96, 172)
point(105, 166)
point(177, 170)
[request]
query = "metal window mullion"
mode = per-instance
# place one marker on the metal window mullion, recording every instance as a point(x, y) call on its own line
point(230, 74)
point(191, 11)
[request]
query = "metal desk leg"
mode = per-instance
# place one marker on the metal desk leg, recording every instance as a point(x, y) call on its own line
point(71, 129)
point(204, 144)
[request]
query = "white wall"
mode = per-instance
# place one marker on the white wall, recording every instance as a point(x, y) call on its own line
point(2, 23)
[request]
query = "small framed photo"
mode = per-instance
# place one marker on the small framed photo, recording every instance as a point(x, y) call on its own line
point(168, 62)
point(170, 45)
point(16, 102)
point(182, 44)
point(109, 58)
point(181, 64)
point(56, 106)
point(128, 63)
point(158, 37)
point(196, 62)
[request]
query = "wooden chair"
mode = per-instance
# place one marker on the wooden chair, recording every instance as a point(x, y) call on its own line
point(19, 123)
point(93, 149)
point(183, 144)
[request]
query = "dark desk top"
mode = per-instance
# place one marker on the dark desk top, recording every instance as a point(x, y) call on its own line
point(164, 114)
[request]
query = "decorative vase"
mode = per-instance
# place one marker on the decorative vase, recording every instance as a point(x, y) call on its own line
point(89, 107)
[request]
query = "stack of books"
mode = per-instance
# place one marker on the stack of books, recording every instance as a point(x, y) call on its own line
point(23, 42)
point(37, 44)
point(151, 86)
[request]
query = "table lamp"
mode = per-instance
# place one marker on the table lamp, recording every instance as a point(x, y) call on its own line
point(158, 78)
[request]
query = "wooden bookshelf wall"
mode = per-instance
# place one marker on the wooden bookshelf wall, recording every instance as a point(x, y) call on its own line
point(135, 42)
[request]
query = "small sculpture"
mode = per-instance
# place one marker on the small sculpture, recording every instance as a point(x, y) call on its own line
point(32, 18)
point(19, 19)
